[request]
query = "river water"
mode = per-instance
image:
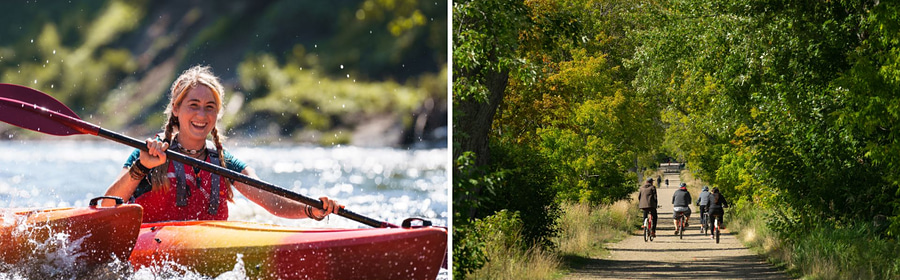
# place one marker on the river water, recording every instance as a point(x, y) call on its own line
point(381, 183)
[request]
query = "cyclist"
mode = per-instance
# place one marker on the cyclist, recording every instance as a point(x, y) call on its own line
point(681, 201)
point(703, 202)
point(647, 201)
point(717, 203)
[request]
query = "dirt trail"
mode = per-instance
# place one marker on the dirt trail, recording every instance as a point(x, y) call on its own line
point(697, 256)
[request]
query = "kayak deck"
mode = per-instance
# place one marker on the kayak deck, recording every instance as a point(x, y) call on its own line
point(278, 252)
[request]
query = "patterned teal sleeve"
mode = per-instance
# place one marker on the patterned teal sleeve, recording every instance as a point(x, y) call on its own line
point(233, 163)
point(134, 157)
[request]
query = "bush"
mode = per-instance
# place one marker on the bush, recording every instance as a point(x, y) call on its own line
point(525, 187)
point(516, 182)
point(468, 251)
point(507, 258)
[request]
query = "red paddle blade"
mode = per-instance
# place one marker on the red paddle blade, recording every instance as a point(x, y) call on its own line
point(31, 109)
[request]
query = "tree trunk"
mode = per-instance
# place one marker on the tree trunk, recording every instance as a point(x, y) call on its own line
point(473, 121)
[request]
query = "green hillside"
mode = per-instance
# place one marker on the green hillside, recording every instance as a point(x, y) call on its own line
point(324, 72)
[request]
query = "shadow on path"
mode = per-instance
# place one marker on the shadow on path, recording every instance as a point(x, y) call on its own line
point(739, 267)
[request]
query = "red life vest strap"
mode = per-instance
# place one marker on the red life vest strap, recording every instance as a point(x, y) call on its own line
point(182, 191)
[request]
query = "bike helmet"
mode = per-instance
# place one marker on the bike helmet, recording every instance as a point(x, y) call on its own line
point(683, 185)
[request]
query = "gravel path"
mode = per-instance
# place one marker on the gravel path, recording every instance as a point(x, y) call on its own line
point(696, 256)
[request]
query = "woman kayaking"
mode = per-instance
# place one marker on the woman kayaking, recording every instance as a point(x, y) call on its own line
point(171, 190)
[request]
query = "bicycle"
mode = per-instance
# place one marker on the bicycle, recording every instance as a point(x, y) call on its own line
point(716, 231)
point(680, 229)
point(704, 222)
point(648, 224)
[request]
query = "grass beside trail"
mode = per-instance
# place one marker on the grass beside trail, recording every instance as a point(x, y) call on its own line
point(821, 252)
point(582, 232)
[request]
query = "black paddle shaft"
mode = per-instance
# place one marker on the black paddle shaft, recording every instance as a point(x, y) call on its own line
point(241, 178)
point(34, 110)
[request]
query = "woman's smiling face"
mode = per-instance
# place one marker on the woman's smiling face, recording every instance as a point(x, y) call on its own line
point(197, 115)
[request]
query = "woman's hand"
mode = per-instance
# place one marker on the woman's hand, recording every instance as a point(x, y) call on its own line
point(156, 155)
point(331, 207)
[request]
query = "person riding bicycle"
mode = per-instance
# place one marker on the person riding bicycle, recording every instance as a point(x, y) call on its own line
point(703, 202)
point(717, 203)
point(681, 201)
point(647, 201)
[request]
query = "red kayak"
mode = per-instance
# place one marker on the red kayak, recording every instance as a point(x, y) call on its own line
point(277, 252)
point(94, 235)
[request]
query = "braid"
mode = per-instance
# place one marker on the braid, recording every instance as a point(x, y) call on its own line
point(158, 175)
point(217, 140)
point(169, 128)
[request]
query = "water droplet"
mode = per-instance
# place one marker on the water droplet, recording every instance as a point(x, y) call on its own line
point(316, 46)
point(35, 81)
point(32, 41)
point(51, 85)
point(54, 51)
point(348, 76)
point(342, 66)
point(343, 105)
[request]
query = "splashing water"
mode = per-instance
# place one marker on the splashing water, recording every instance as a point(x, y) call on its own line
point(47, 254)
point(385, 184)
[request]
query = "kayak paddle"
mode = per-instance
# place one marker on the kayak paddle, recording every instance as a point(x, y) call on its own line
point(34, 110)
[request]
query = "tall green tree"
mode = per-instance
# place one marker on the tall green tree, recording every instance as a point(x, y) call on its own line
point(872, 113)
point(573, 101)
point(484, 53)
point(758, 98)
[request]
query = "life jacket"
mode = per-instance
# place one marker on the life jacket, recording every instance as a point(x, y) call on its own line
point(185, 200)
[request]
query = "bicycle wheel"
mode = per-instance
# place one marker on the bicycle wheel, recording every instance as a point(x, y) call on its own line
point(681, 227)
point(646, 231)
point(717, 232)
point(703, 223)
